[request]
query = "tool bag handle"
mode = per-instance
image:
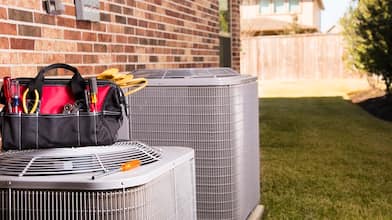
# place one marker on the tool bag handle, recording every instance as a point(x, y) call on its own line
point(77, 83)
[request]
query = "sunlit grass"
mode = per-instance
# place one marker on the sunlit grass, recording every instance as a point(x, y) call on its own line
point(324, 158)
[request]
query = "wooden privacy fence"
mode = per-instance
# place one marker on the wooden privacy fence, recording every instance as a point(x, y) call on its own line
point(294, 57)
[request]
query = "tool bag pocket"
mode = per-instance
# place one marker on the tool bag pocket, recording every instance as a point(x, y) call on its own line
point(25, 131)
point(53, 123)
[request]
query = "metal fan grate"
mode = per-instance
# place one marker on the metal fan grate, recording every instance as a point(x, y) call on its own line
point(61, 161)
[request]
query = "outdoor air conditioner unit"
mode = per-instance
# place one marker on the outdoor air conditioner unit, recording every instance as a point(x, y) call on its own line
point(57, 184)
point(215, 112)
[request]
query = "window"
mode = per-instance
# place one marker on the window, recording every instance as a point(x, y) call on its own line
point(224, 34)
point(294, 5)
point(264, 6)
point(279, 6)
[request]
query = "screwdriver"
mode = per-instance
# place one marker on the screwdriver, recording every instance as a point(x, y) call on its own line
point(124, 167)
point(93, 93)
point(15, 92)
point(7, 92)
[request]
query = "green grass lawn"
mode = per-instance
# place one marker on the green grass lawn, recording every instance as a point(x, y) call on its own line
point(324, 158)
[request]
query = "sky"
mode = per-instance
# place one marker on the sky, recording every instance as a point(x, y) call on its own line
point(334, 10)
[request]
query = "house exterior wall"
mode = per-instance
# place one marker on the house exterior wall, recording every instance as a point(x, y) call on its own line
point(308, 14)
point(132, 34)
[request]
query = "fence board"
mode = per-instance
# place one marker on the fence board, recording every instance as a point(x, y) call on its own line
point(295, 57)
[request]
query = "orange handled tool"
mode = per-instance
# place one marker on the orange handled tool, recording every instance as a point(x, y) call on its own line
point(124, 167)
point(130, 165)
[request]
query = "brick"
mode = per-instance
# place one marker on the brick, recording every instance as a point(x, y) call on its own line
point(72, 35)
point(22, 44)
point(115, 8)
point(121, 39)
point(117, 48)
point(86, 25)
point(88, 36)
point(30, 58)
point(20, 15)
point(132, 21)
point(130, 67)
point(104, 37)
point(120, 19)
point(23, 71)
point(153, 58)
point(90, 59)
point(4, 58)
point(44, 19)
point(99, 69)
point(26, 4)
point(3, 13)
point(128, 11)
point(105, 58)
point(116, 28)
point(105, 17)
point(6, 28)
point(129, 30)
point(99, 27)
point(131, 3)
point(27, 30)
point(133, 59)
point(73, 58)
point(121, 59)
point(4, 43)
point(53, 58)
point(70, 10)
point(66, 22)
point(100, 48)
point(5, 71)
point(85, 69)
point(84, 47)
point(129, 49)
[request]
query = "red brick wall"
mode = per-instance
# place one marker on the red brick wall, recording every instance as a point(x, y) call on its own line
point(132, 34)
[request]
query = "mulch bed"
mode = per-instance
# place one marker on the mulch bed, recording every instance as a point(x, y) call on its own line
point(381, 107)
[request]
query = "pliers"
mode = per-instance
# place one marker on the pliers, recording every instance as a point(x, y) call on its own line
point(35, 104)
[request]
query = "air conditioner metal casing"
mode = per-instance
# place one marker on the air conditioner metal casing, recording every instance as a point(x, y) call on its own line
point(161, 190)
point(215, 112)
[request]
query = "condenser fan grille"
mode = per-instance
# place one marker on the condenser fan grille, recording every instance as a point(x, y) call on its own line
point(75, 160)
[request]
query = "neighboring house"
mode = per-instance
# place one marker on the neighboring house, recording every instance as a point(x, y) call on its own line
point(271, 17)
point(130, 34)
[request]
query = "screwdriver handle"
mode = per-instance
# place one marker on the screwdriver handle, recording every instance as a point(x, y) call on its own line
point(130, 165)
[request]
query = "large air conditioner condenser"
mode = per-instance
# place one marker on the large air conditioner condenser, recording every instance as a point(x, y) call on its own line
point(58, 183)
point(215, 112)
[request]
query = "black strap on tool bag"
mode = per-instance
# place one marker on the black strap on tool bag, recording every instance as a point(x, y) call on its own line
point(49, 113)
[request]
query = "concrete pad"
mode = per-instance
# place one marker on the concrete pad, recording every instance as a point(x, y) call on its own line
point(257, 213)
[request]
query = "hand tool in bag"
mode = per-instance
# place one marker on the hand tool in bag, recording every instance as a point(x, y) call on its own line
point(26, 102)
point(7, 92)
point(124, 167)
point(15, 95)
point(92, 82)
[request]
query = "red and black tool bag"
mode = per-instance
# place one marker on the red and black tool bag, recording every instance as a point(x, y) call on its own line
point(51, 125)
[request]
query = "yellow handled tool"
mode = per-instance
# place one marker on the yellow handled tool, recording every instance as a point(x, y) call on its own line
point(35, 104)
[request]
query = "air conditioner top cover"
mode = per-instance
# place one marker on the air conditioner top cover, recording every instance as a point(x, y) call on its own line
point(193, 77)
point(73, 168)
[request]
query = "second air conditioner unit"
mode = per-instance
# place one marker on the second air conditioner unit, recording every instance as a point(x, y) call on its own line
point(215, 112)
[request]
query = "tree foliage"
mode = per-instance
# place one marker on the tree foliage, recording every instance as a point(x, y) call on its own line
point(368, 34)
